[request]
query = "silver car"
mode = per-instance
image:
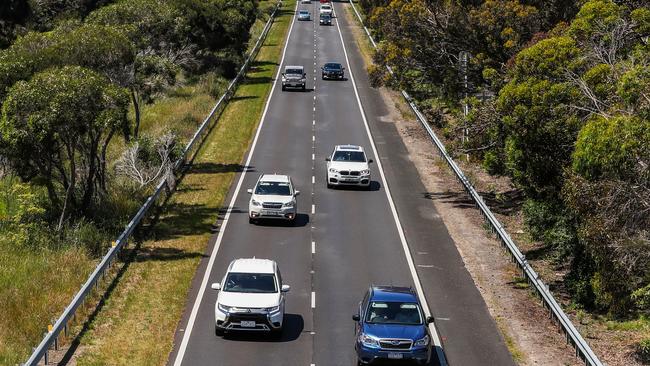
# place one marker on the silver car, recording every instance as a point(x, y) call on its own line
point(294, 77)
point(304, 15)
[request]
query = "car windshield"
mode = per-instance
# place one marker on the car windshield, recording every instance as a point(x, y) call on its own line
point(325, 16)
point(250, 282)
point(303, 12)
point(333, 66)
point(325, 7)
point(355, 156)
point(389, 312)
point(273, 188)
point(293, 71)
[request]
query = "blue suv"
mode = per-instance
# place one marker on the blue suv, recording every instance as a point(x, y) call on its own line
point(390, 324)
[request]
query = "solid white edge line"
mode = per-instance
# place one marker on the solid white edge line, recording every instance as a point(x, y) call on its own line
point(398, 224)
point(204, 283)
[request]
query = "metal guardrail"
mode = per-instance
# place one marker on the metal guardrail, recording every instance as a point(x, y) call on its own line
point(50, 338)
point(572, 335)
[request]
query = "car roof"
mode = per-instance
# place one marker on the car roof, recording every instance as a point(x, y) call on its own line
point(293, 67)
point(274, 178)
point(303, 11)
point(392, 293)
point(252, 265)
point(348, 148)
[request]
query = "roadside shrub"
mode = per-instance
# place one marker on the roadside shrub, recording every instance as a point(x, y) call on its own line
point(643, 350)
point(213, 84)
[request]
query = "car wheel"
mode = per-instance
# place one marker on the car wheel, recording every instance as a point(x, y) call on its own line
point(277, 333)
point(252, 220)
point(218, 331)
point(303, 88)
point(284, 88)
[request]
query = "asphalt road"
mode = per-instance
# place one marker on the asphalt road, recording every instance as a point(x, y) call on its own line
point(345, 239)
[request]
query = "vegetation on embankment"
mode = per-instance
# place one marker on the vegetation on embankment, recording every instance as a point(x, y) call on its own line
point(558, 94)
point(77, 95)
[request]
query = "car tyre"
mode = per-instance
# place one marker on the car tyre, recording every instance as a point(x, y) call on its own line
point(284, 88)
point(218, 331)
point(276, 334)
point(252, 221)
point(303, 88)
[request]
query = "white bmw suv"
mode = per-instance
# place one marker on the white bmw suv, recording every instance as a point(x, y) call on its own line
point(274, 198)
point(251, 297)
point(348, 165)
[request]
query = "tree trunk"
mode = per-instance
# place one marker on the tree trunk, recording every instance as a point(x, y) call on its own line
point(136, 109)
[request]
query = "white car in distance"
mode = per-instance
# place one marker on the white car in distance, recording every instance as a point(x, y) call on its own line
point(251, 297)
point(348, 165)
point(305, 1)
point(273, 198)
point(326, 9)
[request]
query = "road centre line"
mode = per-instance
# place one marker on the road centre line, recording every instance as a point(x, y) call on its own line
point(313, 209)
point(313, 247)
point(313, 179)
point(313, 299)
point(206, 277)
point(407, 253)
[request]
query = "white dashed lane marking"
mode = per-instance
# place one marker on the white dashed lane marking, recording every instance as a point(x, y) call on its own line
point(313, 247)
point(313, 299)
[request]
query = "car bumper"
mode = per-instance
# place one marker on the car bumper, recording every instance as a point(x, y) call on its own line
point(304, 18)
point(293, 84)
point(272, 213)
point(264, 322)
point(333, 75)
point(339, 180)
point(367, 355)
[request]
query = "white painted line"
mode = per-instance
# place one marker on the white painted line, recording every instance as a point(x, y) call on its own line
point(312, 156)
point(313, 179)
point(313, 122)
point(313, 299)
point(313, 138)
point(407, 253)
point(206, 276)
point(313, 209)
point(314, 107)
point(313, 247)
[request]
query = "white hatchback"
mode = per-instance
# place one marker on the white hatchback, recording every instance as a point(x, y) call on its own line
point(348, 165)
point(251, 297)
point(273, 198)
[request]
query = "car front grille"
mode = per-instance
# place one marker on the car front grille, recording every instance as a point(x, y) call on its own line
point(271, 205)
point(395, 344)
point(352, 173)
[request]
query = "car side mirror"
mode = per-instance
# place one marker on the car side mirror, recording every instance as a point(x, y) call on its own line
point(286, 288)
point(296, 193)
point(216, 286)
point(356, 317)
point(328, 159)
point(343, 68)
point(249, 191)
point(430, 319)
point(304, 74)
point(370, 161)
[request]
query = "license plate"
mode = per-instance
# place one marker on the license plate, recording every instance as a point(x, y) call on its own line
point(270, 213)
point(248, 324)
point(395, 356)
point(349, 180)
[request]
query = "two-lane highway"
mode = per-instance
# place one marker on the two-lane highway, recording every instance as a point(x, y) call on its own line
point(345, 239)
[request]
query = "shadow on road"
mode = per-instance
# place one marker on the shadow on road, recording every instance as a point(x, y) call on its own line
point(293, 327)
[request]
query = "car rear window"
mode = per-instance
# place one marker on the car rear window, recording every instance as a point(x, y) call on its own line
point(293, 71)
point(273, 188)
point(393, 312)
point(355, 156)
point(250, 282)
point(333, 66)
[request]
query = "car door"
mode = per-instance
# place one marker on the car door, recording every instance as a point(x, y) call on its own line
point(363, 305)
point(279, 279)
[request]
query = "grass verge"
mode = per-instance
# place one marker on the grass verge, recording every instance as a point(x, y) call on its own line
point(137, 323)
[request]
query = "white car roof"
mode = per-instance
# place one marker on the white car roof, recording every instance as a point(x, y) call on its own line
point(252, 265)
point(274, 178)
point(293, 67)
point(348, 148)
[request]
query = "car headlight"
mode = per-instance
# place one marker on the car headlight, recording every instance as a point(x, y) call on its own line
point(284, 79)
point(368, 340)
point(365, 172)
point(288, 204)
point(332, 170)
point(255, 203)
point(223, 308)
point(273, 309)
point(422, 342)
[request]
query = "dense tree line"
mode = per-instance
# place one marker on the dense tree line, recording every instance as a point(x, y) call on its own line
point(70, 72)
point(560, 102)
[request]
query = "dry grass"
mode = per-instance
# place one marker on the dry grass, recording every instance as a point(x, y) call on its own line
point(137, 323)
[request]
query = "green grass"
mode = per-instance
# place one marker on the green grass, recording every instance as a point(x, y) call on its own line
point(137, 324)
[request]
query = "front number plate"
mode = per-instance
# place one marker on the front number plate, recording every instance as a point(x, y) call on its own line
point(247, 324)
point(395, 356)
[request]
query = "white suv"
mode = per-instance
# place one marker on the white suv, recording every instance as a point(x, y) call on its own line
point(326, 9)
point(348, 165)
point(251, 297)
point(273, 197)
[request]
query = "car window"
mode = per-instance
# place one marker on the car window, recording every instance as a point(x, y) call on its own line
point(392, 312)
point(250, 282)
point(273, 188)
point(303, 12)
point(333, 66)
point(293, 71)
point(355, 156)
